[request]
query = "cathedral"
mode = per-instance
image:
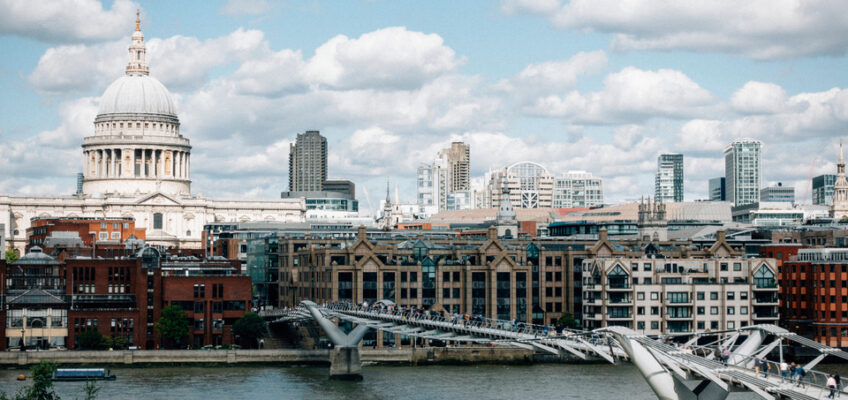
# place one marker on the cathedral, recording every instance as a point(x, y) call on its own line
point(137, 164)
point(839, 204)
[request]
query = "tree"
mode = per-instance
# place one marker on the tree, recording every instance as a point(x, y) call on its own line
point(173, 325)
point(567, 321)
point(11, 255)
point(42, 383)
point(250, 327)
point(116, 342)
point(91, 390)
point(90, 340)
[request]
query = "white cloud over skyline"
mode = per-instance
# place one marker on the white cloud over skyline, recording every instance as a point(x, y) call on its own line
point(390, 98)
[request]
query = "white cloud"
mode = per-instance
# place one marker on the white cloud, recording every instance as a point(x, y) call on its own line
point(630, 95)
point(529, 6)
point(179, 62)
point(759, 98)
point(760, 29)
point(386, 58)
point(64, 21)
point(245, 7)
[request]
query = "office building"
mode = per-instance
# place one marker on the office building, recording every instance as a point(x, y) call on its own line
point(717, 189)
point(51, 301)
point(578, 189)
point(528, 184)
point(445, 183)
point(823, 189)
point(743, 171)
point(777, 193)
point(308, 162)
point(669, 179)
point(816, 296)
point(345, 187)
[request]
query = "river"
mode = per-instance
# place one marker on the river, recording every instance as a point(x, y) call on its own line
point(541, 381)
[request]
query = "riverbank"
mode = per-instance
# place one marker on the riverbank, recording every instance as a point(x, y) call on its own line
point(417, 356)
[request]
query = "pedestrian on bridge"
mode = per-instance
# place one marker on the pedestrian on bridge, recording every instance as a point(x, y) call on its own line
point(765, 368)
point(757, 365)
point(838, 380)
point(801, 374)
point(831, 384)
point(784, 371)
point(725, 355)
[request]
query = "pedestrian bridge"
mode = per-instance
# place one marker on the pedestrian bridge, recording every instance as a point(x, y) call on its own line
point(678, 368)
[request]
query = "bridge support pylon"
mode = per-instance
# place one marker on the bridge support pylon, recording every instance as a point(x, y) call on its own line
point(666, 386)
point(344, 359)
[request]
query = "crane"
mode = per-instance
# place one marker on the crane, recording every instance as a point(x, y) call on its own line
point(809, 180)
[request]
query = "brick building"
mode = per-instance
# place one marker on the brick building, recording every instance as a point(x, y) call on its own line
point(82, 232)
point(49, 301)
point(794, 295)
point(818, 296)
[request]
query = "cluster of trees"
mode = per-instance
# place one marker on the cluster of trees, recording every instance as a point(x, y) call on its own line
point(42, 385)
point(174, 327)
point(10, 255)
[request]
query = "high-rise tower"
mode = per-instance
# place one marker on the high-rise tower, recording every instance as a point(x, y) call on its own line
point(308, 162)
point(743, 171)
point(669, 179)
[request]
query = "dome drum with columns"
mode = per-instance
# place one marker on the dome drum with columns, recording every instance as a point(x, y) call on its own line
point(137, 146)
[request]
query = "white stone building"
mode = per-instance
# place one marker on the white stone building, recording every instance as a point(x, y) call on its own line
point(137, 164)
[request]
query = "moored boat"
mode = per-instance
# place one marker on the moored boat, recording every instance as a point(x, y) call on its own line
point(83, 374)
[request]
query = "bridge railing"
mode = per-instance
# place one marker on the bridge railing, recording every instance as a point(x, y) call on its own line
point(473, 321)
point(812, 378)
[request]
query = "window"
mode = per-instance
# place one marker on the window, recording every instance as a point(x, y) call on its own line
point(640, 325)
point(446, 277)
point(655, 325)
point(713, 310)
point(700, 295)
point(640, 296)
point(713, 324)
point(701, 311)
point(640, 310)
point(655, 311)
point(713, 295)
point(103, 236)
point(743, 310)
point(634, 266)
point(731, 310)
point(102, 225)
point(116, 235)
point(655, 295)
point(646, 266)
point(731, 295)
point(743, 295)
point(413, 277)
point(116, 225)
point(157, 221)
point(700, 325)
point(724, 266)
point(731, 325)
point(737, 266)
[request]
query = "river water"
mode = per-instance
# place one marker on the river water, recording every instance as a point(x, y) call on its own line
point(541, 381)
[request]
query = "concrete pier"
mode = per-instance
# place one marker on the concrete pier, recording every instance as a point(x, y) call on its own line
point(345, 364)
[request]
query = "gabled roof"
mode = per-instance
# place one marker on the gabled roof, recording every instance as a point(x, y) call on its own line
point(36, 296)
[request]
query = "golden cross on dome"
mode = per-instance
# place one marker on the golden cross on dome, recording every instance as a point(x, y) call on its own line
point(137, 20)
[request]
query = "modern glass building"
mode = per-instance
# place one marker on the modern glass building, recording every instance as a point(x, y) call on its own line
point(717, 190)
point(823, 189)
point(743, 171)
point(578, 189)
point(669, 179)
point(778, 193)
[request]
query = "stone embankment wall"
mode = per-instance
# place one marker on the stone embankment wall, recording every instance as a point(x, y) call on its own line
point(433, 355)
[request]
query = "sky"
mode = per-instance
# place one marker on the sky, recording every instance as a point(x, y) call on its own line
point(603, 86)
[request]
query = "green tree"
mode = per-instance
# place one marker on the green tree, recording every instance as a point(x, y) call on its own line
point(11, 255)
point(173, 325)
point(250, 327)
point(90, 340)
point(567, 321)
point(91, 390)
point(42, 383)
point(116, 342)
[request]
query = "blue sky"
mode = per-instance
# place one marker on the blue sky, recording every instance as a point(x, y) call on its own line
point(597, 85)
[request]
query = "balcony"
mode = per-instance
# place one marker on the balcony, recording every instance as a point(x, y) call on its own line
point(619, 316)
point(766, 301)
point(757, 316)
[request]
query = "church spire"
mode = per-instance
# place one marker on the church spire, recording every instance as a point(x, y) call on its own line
point(138, 52)
point(840, 167)
point(839, 204)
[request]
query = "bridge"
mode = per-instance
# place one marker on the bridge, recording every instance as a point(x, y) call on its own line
point(674, 370)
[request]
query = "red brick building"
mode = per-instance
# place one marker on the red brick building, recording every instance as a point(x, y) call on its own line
point(817, 298)
point(52, 301)
point(793, 292)
point(103, 233)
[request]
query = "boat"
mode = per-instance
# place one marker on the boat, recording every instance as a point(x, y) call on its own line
point(82, 374)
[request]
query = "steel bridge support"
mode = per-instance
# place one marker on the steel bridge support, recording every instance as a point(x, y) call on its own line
point(344, 359)
point(666, 386)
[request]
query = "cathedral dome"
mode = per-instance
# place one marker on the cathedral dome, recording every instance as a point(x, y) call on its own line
point(137, 94)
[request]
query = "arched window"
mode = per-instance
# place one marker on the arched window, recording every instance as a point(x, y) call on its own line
point(157, 221)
